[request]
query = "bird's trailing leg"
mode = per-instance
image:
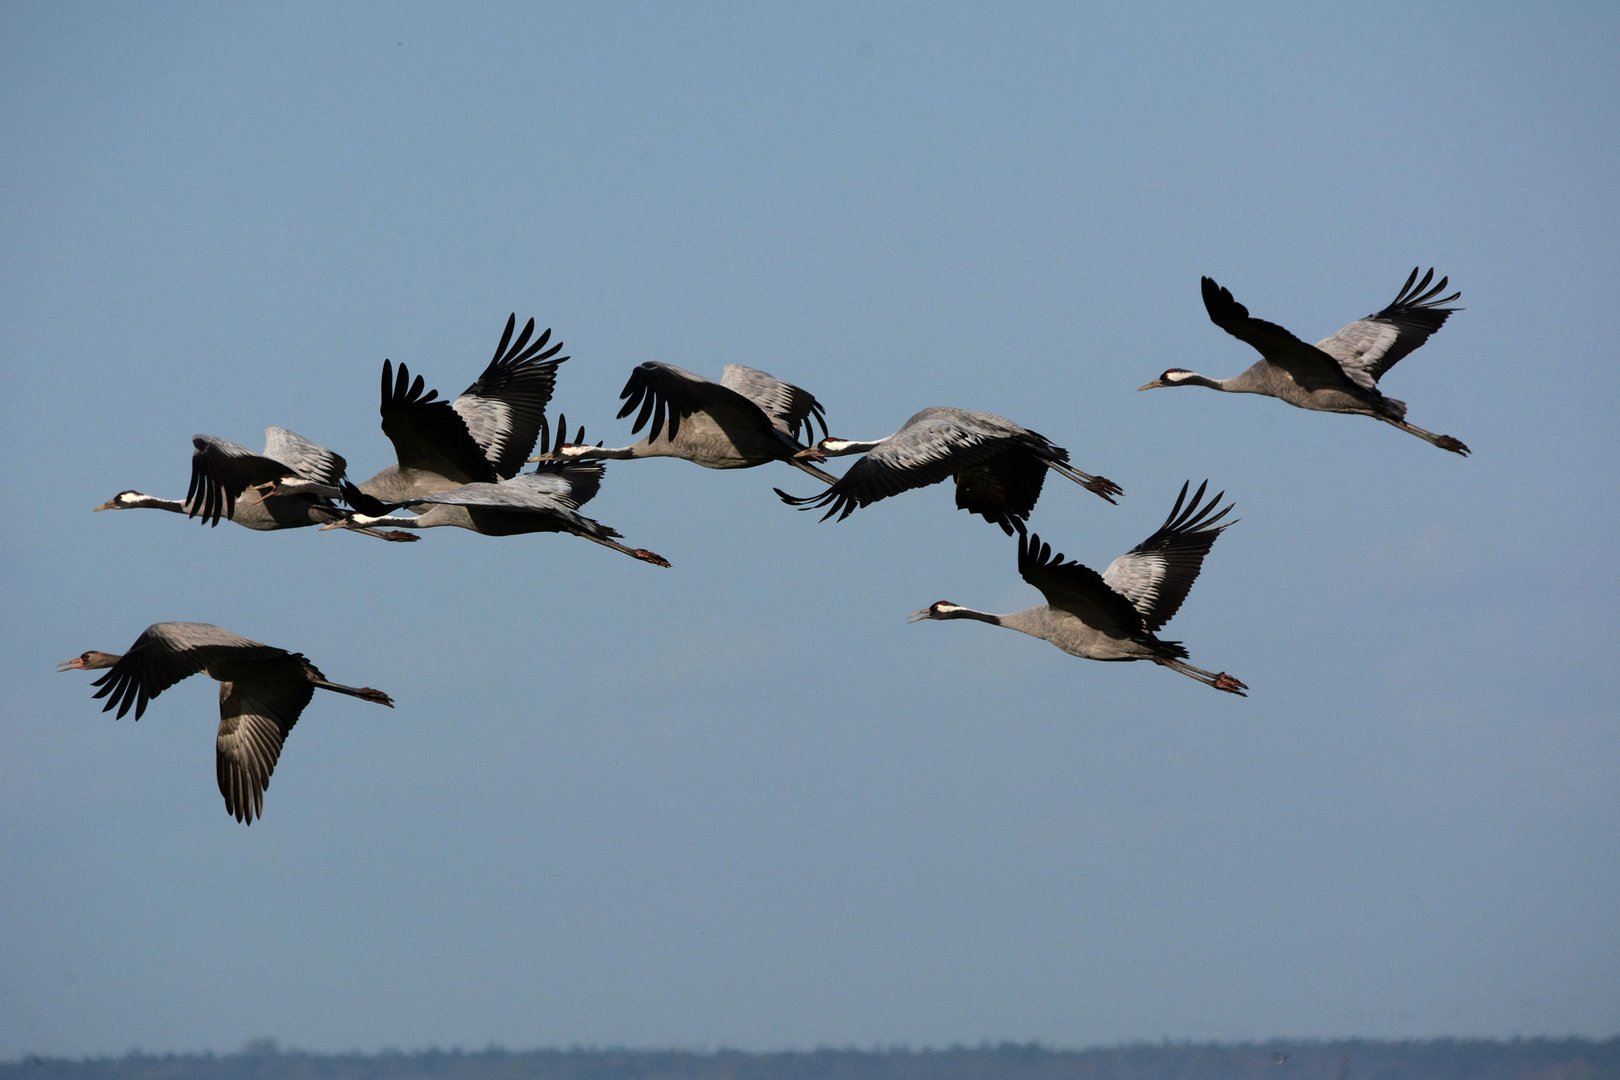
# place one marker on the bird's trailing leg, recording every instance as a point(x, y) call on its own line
point(1220, 680)
point(635, 553)
point(1097, 485)
point(1444, 442)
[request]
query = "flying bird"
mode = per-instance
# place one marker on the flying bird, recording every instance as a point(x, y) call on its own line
point(288, 486)
point(1339, 373)
point(746, 419)
point(1116, 615)
point(483, 436)
point(999, 466)
point(546, 500)
point(262, 692)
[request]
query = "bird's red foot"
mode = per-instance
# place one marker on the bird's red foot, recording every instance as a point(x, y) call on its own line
point(398, 535)
point(1223, 681)
point(650, 556)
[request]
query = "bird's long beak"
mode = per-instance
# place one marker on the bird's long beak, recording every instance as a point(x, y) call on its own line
point(77, 662)
point(809, 453)
point(108, 505)
point(1151, 385)
point(340, 523)
point(919, 616)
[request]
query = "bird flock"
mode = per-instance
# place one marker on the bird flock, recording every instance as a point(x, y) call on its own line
point(461, 463)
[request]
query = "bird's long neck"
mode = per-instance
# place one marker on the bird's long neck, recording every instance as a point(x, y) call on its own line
point(978, 616)
point(612, 453)
point(842, 447)
point(1033, 621)
point(393, 521)
point(152, 502)
point(1193, 378)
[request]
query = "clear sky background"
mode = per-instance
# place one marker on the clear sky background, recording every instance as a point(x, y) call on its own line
point(742, 802)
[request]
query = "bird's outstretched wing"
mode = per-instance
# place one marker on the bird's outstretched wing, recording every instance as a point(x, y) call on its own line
point(1156, 574)
point(428, 434)
point(220, 471)
point(505, 407)
point(1076, 589)
point(535, 493)
point(306, 460)
point(1002, 489)
point(1369, 347)
point(792, 410)
point(666, 394)
point(254, 720)
point(1309, 366)
point(166, 653)
point(932, 446)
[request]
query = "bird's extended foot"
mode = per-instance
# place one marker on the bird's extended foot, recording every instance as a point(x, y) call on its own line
point(399, 536)
point(1223, 681)
point(1455, 445)
point(1101, 485)
point(650, 556)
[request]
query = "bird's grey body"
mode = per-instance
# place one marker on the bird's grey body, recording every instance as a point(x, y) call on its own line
point(546, 500)
point(999, 466)
point(748, 418)
point(1339, 373)
point(483, 436)
point(262, 692)
point(1116, 615)
point(288, 486)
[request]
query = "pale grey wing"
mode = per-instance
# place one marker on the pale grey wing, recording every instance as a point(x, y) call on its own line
point(164, 654)
point(505, 407)
point(792, 410)
point(930, 447)
point(538, 493)
point(1156, 575)
point(1307, 365)
point(306, 459)
point(220, 471)
point(1076, 589)
point(1369, 347)
point(255, 717)
point(665, 394)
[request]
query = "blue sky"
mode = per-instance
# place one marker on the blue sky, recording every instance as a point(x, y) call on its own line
point(742, 802)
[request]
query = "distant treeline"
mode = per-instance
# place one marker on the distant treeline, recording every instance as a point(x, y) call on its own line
point(1431, 1059)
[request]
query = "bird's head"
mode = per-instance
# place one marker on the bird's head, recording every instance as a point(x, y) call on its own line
point(88, 661)
point(124, 500)
point(939, 609)
point(1173, 377)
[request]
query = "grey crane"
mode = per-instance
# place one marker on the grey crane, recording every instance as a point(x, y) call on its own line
point(262, 692)
point(999, 466)
point(483, 436)
point(546, 500)
point(286, 487)
point(1339, 373)
point(1116, 615)
point(748, 418)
